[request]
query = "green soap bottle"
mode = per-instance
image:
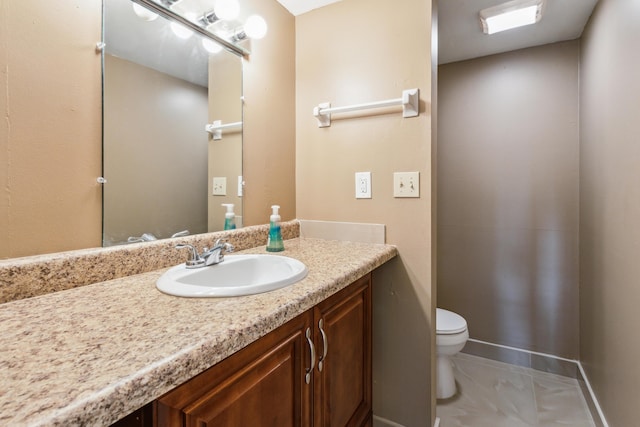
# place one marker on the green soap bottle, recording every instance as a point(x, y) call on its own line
point(229, 217)
point(275, 243)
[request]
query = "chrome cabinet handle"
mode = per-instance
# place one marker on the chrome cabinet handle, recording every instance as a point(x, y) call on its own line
point(325, 345)
point(307, 377)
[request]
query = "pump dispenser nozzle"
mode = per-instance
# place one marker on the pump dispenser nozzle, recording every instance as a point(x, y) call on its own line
point(275, 243)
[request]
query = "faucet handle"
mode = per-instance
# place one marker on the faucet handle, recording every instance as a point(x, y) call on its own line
point(194, 260)
point(223, 245)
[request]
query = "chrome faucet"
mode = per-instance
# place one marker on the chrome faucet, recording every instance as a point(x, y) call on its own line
point(215, 255)
point(212, 256)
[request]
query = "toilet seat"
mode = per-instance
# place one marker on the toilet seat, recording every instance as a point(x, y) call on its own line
point(449, 323)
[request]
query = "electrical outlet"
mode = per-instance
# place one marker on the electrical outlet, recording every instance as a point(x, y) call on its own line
point(219, 186)
point(406, 184)
point(363, 185)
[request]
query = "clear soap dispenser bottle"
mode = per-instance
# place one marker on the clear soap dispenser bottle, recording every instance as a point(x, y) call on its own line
point(274, 243)
point(229, 217)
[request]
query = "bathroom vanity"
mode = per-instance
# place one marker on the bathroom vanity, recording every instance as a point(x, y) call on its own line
point(291, 376)
point(94, 354)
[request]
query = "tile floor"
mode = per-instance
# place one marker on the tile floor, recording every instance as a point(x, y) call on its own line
point(496, 394)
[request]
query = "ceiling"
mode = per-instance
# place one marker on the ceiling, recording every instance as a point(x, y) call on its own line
point(298, 7)
point(460, 34)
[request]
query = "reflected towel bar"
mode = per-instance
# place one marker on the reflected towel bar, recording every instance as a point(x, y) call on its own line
point(410, 102)
point(216, 127)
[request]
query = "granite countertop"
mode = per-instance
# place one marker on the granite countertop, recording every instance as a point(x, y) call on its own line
point(93, 354)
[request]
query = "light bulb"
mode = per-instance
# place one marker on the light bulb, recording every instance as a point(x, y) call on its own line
point(227, 9)
point(144, 13)
point(211, 46)
point(180, 30)
point(255, 27)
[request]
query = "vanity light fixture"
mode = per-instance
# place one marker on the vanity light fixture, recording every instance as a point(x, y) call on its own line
point(218, 21)
point(254, 28)
point(512, 14)
point(227, 10)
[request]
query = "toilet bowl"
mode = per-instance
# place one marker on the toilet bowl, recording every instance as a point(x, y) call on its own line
point(451, 336)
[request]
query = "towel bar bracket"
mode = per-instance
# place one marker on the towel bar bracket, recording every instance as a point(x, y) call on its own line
point(324, 119)
point(215, 128)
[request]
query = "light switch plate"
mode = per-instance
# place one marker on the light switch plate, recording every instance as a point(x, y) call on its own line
point(406, 184)
point(219, 185)
point(363, 185)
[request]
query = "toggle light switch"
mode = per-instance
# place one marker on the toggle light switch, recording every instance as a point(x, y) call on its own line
point(406, 184)
point(219, 186)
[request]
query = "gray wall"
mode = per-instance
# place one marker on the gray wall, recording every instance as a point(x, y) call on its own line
point(508, 196)
point(610, 208)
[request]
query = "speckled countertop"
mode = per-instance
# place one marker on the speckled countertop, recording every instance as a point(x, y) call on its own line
point(92, 354)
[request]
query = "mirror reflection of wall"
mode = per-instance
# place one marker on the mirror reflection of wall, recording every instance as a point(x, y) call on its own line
point(225, 149)
point(158, 159)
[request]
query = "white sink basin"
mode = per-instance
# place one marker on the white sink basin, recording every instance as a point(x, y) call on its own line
point(236, 275)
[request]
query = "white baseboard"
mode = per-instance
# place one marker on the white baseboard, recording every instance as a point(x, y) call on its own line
point(593, 395)
point(594, 400)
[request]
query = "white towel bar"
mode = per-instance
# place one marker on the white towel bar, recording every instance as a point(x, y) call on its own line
point(216, 127)
point(410, 102)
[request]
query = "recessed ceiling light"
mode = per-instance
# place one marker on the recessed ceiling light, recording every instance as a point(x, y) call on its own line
point(513, 14)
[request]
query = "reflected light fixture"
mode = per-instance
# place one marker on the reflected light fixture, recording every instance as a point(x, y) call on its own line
point(182, 31)
point(144, 13)
point(211, 46)
point(513, 14)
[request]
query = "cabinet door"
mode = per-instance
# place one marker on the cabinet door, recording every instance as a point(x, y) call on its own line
point(261, 385)
point(342, 389)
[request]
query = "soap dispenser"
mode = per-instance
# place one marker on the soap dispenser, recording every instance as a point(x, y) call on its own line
point(274, 243)
point(229, 217)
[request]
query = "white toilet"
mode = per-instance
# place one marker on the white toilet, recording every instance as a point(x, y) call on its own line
point(451, 336)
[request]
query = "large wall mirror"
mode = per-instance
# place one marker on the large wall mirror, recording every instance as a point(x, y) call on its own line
point(163, 87)
point(51, 151)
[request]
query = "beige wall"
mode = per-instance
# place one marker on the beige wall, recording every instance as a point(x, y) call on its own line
point(269, 116)
point(508, 196)
point(357, 51)
point(155, 153)
point(610, 208)
point(52, 116)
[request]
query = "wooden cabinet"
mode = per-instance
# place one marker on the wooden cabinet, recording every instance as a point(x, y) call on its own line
point(271, 383)
point(260, 385)
point(342, 383)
